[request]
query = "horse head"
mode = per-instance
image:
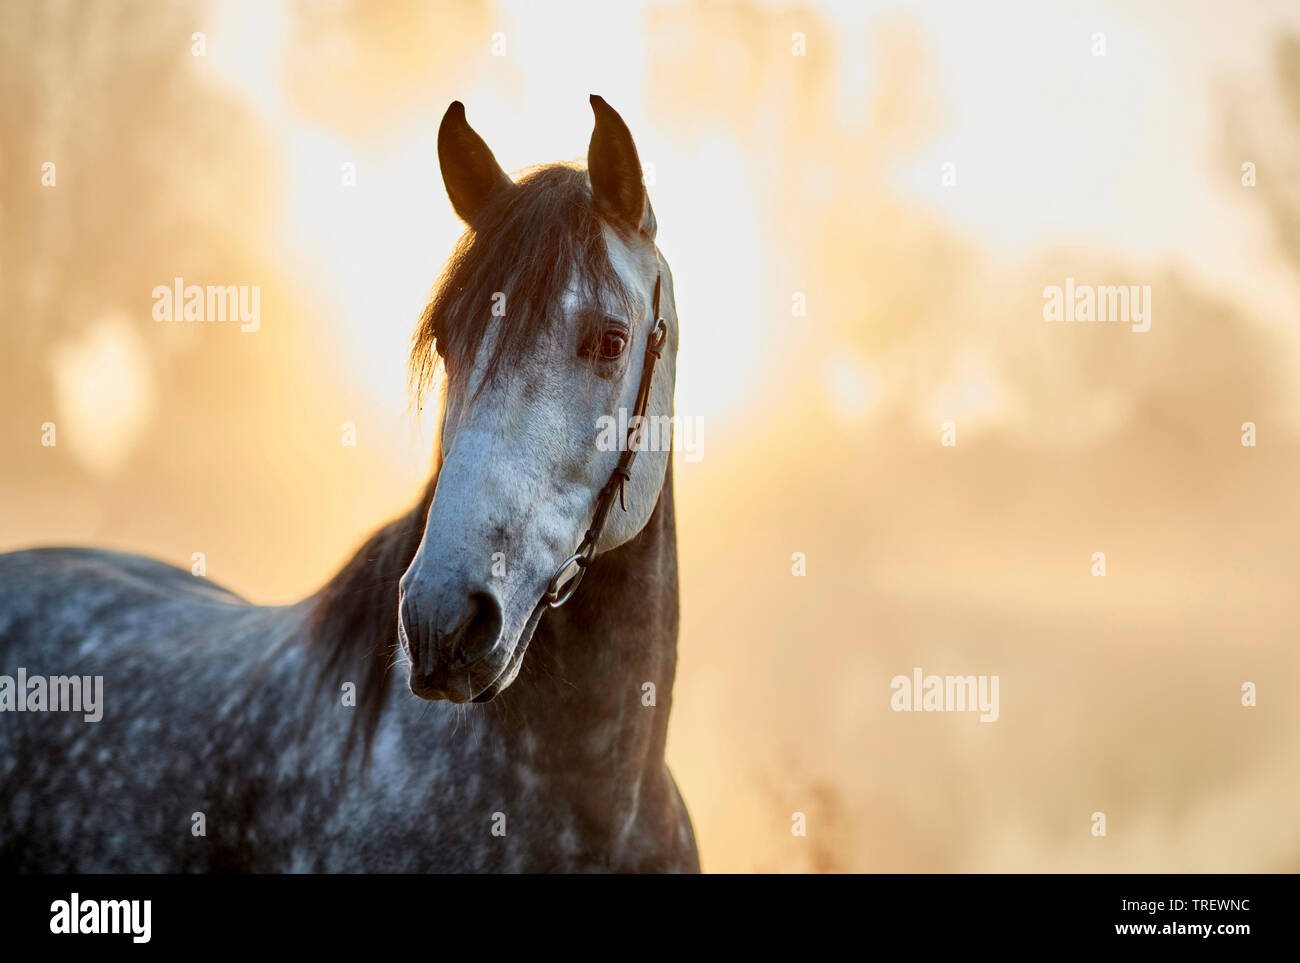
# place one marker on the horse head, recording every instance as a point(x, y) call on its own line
point(540, 325)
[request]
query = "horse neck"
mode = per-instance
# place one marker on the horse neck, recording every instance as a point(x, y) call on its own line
point(580, 698)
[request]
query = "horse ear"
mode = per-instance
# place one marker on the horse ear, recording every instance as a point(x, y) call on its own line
point(615, 170)
point(469, 171)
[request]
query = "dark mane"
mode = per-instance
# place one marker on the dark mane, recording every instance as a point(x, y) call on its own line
point(353, 622)
point(526, 244)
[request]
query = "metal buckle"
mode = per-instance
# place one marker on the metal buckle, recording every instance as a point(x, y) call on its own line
point(658, 336)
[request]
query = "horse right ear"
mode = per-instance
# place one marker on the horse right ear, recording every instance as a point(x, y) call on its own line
point(469, 171)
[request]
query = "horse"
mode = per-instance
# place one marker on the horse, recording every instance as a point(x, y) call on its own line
point(390, 721)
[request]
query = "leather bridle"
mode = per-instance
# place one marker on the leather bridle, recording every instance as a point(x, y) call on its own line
point(558, 592)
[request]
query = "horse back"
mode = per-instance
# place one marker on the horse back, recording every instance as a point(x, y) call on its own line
point(162, 664)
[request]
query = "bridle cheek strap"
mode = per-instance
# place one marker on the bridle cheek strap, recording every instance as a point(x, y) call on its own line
point(560, 591)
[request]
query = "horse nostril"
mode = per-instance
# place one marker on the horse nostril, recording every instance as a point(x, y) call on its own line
point(410, 625)
point(482, 629)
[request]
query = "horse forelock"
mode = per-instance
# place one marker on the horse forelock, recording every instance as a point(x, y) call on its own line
point(525, 248)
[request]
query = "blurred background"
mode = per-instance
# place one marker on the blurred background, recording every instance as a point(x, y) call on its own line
point(780, 178)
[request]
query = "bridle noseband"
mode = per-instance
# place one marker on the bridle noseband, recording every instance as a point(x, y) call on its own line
point(557, 593)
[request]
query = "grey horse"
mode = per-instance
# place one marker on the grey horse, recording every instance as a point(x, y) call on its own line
point(240, 738)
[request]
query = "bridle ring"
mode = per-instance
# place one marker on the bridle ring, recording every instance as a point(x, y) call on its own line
point(557, 595)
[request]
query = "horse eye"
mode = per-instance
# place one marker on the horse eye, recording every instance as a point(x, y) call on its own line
point(612, 344)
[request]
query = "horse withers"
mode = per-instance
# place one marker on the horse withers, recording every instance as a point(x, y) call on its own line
point(428, 709)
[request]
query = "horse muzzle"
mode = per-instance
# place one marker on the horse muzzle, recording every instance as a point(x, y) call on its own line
point(455, 645)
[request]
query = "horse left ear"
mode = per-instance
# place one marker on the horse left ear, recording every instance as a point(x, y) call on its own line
point(617, 188)
point(469, 171)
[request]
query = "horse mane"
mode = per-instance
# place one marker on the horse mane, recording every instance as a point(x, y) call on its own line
point(353, 621)
point(526, 243)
